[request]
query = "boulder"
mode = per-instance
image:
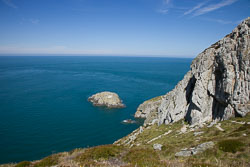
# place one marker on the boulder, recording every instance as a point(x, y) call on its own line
point(196, 150)
point(157, 146)
point(183, 153)
point(129, 121)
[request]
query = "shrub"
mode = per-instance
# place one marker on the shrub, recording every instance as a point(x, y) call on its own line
point(230, 145)
point(243, 128)
point(202, 165)
point(48, 161)
point(142, 157)
point(23, 164)
point(99, 153)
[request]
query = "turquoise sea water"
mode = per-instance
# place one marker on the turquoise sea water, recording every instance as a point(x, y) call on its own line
point(44, 107)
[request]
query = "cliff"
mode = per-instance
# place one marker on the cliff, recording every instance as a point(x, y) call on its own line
point(217, 87)
point(149, 109)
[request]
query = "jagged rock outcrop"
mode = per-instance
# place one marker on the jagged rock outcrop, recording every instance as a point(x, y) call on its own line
point(149, 109)
point(107, 99)
point(217, 86)
point(196, 150)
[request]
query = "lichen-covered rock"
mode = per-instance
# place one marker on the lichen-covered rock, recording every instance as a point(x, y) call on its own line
point(217, 86)
point(107, 99)
point(196, 150)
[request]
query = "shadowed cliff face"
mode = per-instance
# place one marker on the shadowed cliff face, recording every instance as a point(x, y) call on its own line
point(218, 85)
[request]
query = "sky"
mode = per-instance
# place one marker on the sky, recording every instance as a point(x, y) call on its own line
point(175, 28)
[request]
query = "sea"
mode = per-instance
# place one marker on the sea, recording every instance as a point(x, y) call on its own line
point(44, 107)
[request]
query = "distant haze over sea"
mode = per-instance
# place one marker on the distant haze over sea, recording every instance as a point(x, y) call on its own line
point(99, 55)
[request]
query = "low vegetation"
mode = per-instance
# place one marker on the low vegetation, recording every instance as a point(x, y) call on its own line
point(142, 157)
point(97, 154)
point(230, 145)
point(155, 99)
point(23, 164)
point(48, 161)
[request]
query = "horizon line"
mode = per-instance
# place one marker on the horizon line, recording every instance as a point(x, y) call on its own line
point(97, 55)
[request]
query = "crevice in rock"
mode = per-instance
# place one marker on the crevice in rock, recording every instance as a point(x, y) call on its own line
point(191, 107)
point(190, 88)
point(219, 99)
point(218, 109)
point(189, 93)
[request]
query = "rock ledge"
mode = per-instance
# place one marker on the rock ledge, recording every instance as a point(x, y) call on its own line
point(107, 99)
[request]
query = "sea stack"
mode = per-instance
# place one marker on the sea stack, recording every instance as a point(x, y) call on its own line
point(216, 88)
point(106, 99)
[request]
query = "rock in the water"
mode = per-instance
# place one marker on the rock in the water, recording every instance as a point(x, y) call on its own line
point(129, 121)
point(157, 146)
point(108, 99)
point(218, 85)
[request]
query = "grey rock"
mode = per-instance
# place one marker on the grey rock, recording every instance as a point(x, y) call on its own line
point(196, 150)
point(140, 129)
point(219, 128)
point(212, 124)
point(157, 146)
point(149, 109)
point(216, 88)
point(184, 153)
point(154, 121)
point(202, 147)
point(158, 137)
point(242, 123)
point(184, 129)
point(108, 99)
point(128, 121)
point(198, 133)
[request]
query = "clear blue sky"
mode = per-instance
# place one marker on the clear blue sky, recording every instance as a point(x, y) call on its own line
point(181, 28)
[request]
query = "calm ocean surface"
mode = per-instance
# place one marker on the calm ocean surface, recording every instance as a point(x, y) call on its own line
point(44, 107)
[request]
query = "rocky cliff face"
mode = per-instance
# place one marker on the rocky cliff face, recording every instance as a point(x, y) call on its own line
point(217, 86)
point(149, 109)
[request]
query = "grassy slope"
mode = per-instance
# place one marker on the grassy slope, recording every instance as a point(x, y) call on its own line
point(232, 148)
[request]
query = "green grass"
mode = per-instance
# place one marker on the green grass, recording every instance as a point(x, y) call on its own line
point(231, 149)
point(202, 165)
point(99, 153)
point(48, 161)
point(143, 157)
point(23, 164)
point(155, 99)
point(230, 145)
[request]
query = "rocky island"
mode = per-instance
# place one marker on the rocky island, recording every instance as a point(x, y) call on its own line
point(106, 99)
